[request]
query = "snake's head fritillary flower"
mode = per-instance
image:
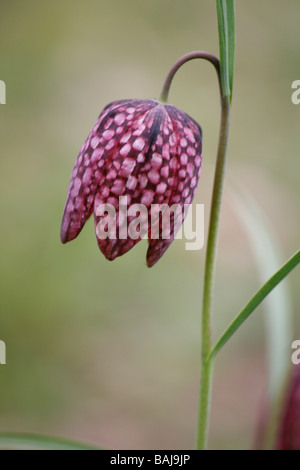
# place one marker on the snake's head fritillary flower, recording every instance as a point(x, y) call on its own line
point(289, 425)
point(145, 152)
point(286, 434)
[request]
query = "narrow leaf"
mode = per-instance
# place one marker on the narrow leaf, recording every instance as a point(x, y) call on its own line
point(36, 442)
point(226, 27)
point(277, 306)
point(255, 301)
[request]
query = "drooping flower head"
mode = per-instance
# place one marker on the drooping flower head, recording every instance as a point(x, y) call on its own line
point(145, 152)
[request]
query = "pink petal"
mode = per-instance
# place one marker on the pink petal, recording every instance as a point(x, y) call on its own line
point(145, 151)
point(139, 174)
point(185, 180)
point(89, 169)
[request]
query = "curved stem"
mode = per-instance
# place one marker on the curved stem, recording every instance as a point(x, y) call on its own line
point(207, 361)
point(185, 58)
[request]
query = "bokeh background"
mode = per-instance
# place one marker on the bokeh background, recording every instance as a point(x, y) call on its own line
point(108, 353)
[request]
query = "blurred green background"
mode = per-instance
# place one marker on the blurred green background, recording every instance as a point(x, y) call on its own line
point(109, 352)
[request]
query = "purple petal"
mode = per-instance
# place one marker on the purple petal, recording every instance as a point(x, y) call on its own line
point(138, 171)
point(88, 173)
point(142, 150)
point(186, 158)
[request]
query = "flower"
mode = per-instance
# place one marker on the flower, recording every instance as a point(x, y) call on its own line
point(289, 426)
point(285, 429)
point(142, 149)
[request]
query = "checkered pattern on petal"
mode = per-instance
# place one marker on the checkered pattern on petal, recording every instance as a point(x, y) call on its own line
point(145, 152)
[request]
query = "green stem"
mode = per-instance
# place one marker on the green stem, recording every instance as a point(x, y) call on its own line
point(181, 61)
point(207, 361)
point(204, 400)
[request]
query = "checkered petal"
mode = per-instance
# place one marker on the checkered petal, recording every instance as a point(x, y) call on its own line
point(139, 152)
point(186, 160)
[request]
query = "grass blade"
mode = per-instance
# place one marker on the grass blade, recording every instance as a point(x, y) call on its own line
point(255, 301)
point(226, 27)
point(277, 306)
point(36, 442)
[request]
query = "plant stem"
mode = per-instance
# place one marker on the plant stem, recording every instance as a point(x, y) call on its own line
point(182, 60)
point(206, 360)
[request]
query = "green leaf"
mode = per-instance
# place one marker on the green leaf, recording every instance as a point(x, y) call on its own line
point(277, 306)
point(277, 309)
point(36, 442)
point(226, 27)
point(255, 301)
